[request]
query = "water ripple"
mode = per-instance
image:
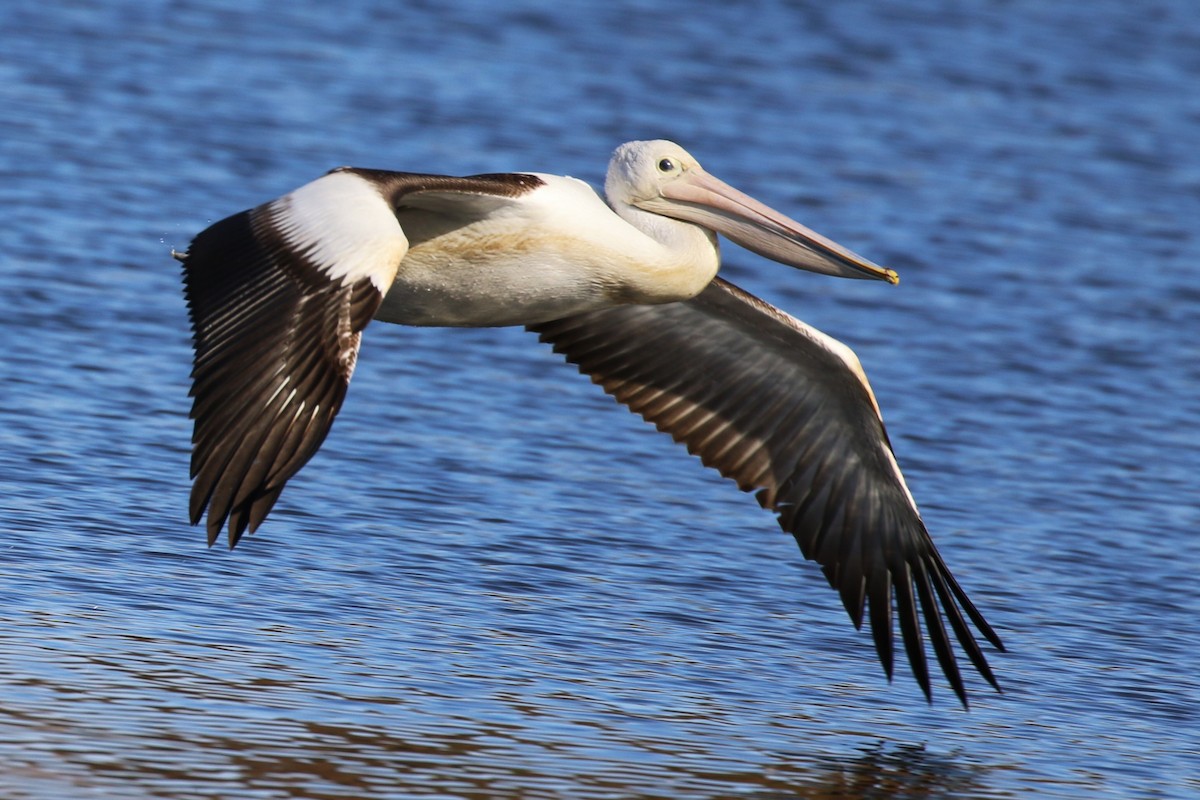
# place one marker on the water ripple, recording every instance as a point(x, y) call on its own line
point(492, 581)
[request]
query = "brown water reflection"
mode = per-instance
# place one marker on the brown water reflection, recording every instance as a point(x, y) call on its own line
point(483, 762)
point(205, 711)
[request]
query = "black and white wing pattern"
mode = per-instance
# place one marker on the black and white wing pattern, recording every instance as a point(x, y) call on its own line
point(792, 418)
point(278, 297)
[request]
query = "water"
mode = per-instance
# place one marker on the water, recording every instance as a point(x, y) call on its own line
point(492, 582)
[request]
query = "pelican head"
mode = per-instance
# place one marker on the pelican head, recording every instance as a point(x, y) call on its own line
point(662, 178)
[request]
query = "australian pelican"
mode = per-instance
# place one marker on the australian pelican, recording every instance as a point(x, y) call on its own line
point(279, 296)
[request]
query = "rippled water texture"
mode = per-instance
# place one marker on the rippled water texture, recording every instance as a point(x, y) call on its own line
point(493, 582)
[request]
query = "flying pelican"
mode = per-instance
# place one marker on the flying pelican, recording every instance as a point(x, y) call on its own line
point(278, 297)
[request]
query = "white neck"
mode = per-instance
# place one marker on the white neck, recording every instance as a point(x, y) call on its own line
point(678, 258)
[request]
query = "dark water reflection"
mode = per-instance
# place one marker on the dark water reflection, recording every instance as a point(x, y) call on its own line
point(218, 732)
point(326, 706)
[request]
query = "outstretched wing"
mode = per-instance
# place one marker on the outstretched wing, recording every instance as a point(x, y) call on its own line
point(278, 297)
point(793, 417)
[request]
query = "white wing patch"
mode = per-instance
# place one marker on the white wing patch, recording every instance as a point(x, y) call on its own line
point(344, 226)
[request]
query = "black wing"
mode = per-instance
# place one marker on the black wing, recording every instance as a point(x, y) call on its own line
point(784, 410)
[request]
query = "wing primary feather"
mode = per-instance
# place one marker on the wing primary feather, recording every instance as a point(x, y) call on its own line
point(910, 627)
point(937, 633)
point(961, 631)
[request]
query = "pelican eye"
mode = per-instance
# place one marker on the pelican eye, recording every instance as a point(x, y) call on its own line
point(666, 165)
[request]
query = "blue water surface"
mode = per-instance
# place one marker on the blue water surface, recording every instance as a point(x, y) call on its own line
point(493, 582)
